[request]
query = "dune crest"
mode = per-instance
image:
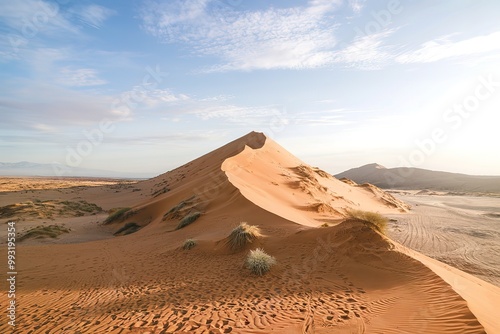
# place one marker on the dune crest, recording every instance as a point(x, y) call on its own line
point(277, 181)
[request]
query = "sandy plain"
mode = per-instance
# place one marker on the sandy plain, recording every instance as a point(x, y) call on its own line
point(462, 231)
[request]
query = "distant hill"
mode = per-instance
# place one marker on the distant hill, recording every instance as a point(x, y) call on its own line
point(25, 168)
point(417, 178)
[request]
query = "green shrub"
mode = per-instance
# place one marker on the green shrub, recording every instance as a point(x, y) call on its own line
point(118, 215)
point(374, 220)
point(259, 262)
point(243, 235)
point(190, 218)
point(188, 244)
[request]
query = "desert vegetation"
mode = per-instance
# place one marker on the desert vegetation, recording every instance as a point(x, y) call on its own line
point(49, 209)
point(189, 244)
point(372, 219)
point(41, 231)
point(189, 219)
point(259, 262)
point(242, 235)
point(118, 214)
point(128, 228)
point(177, 211)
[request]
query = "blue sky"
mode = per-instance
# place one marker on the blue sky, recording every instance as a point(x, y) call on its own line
point(145, 86)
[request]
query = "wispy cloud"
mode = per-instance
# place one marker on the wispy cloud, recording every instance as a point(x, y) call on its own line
point(151, 98)
point(445, 47)
point(94, 15)
point(35, 104)
point(357, 5)
point(299, 37)
point(288, 38)
point(30, 17)
point(79, 77)
point(366, 52)
point(235, 114)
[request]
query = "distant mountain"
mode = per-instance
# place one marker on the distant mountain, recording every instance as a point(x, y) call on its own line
point(26, 168)
point(417, 178)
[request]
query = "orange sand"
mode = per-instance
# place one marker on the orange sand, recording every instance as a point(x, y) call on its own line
point(345, 278)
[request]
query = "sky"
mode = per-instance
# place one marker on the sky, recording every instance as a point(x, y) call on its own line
point(144, 86)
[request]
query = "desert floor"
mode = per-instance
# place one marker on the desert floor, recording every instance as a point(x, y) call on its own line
point(333, 275)
point(462, 231)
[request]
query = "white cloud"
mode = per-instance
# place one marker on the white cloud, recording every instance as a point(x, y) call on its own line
point(79, 77)
point(157, 97)
point(95, 15)
point(237, 114)
point(443, 48)
point(366, 52)
point(357, 5)
point(290, 38)
point(29, 18)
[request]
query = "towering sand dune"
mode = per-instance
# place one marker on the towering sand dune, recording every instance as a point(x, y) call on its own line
point(270, 177)
point(345, 278)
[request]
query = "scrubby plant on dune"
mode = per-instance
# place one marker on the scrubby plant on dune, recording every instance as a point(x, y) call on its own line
point(128, 228)
point(243, 235)
point(190, 218)
point(50, 231)
point(118, 214)
point(259, 262)
point(374, 220)
point(188, 244)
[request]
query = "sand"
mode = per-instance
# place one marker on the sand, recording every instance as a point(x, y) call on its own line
point(344, 278)
point(462, 231)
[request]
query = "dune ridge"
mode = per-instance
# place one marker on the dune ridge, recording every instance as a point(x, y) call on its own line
point(345, 278)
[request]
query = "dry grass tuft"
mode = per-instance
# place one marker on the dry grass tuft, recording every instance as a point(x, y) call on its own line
point(119, 214)
point(50, 231)
point(128, 228)
point(374, 220)
point(243, 235)
point(259, 262)
point(190, 218)
point(189, 244)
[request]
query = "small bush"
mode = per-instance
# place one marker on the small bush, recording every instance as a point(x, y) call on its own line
point(190, 218)
point(259, 262)
point(375, 220)
point(243, 235)
point(176, 211)
point(188, 244)
point(173, 211)
point(128, 228)
point(119, 215)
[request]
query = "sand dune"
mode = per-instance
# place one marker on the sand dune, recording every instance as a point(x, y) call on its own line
point(345, 278)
